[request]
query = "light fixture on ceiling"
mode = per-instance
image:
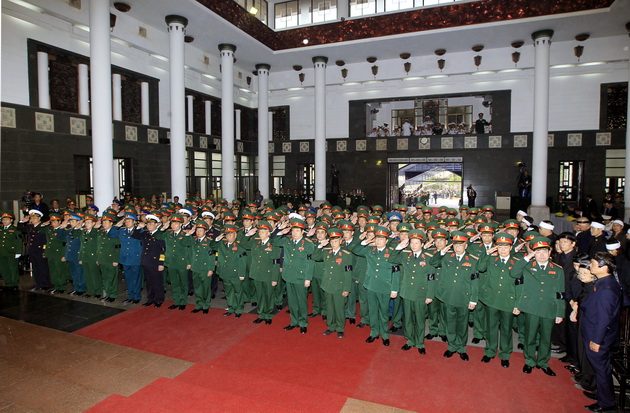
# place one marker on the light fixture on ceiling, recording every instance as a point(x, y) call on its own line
point(371, 59)
point(579, 49)
point(122, 7)
point(441, 64)
point(406, 65)
point(301, 76)
point(112, 21)
point(344, 73)
point(374, 71)
point(253, 9)
point(516, 55)
point(477, 60)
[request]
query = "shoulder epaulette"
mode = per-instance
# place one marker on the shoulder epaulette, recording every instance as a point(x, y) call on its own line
point(428, 254)
point(327, 248)
point(346, 252)
point(474, 256)
point(407, 251)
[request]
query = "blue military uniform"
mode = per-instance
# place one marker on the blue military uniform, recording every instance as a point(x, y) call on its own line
point(73, 244)
point(130, 252)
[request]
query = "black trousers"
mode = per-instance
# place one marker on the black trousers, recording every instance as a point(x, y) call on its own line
point(41, 273)
point(155, 284)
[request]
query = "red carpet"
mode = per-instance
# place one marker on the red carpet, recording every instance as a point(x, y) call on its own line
point(247, 367)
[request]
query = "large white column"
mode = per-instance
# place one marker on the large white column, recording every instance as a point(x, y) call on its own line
point(191, 117)
point(227, 119)
point(101, 103)
point(542, 42)
point(320, 128)
point(144, 103)
point(177, 31)
point(208, 110)
point(263, 128)
point(626, 193)
point(117, 96)
point(237, 124)
point(43, 86)
point(270, 128)
point(84, 90)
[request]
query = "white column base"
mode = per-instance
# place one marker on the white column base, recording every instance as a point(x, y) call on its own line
point(318, 203)
point(538, 212)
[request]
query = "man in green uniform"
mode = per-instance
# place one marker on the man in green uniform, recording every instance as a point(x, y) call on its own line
point(458, 290)
point(232, 259)
point(297, 272)
point(417, 287)
point(87, 257)
point(437, 326)
point(541, 301)
point(486, 233)
point(107, 257)
point(55, 250)
point(382, 282)
point(498, 293)
point(10, 251)
point(319, 297)
point(264, 269)
point(203, 265)
point(177, 258)
point(336, 280)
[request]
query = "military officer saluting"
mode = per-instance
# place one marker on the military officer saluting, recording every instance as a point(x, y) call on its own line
point(10, 251)
point(71, 255)
point(203, 265)
point(87, 257)
point(541, 302)
point(107, 257)
point(232, 267)
point(55, 250)
point(417, 287)
point(152, 260)
point(336, 280)
point(458, 290)
point(35, 235)
point(177, 258)
point(130, 253)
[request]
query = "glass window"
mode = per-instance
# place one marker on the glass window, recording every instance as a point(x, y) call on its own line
point(286, 14)
point(362, 7)
point(216, 165)
point(570, 180)
point(324, 10)
point(278, 165)
point(393, 5)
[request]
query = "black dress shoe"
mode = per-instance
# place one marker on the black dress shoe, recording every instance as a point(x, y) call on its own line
point(340, 335)
point(258, 321)
point(406, 347)
point(127, 301)
point(205, 311)
point(327, 333)
point(486, 359)
point(505, 363)
point(558, 350)
point(352, 320)
point(527, 369)
point(464, 356)
point(444, 339)
point(87, 296)
point(370, 339)
point(311, 315)
point(324, 317)
point(599, 409)
point(590, 395)
point(429, 337)
point(470, 324)
point(212, 296)
point(564, 359)
point(254, 304)
point(97, 296)
point(386, 342)
point(190, 293)
point(520, 346)
point(148, 303)
point(172, 307)
point(289, 327)
point(278, 307)
point(182, 307)
point(237, 316)
point(109, 300)
point(476, 340)
point(229, 313)
point(267, 322)
point(157, 305)
point(196, 310)
point(303, 330)
point(548, 371)
point(422, 351)
point(136, 301)
point(448, 354)
point(361, 325)
point(394, 329)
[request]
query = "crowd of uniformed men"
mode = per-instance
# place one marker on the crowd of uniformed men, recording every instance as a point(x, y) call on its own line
point(456, 268)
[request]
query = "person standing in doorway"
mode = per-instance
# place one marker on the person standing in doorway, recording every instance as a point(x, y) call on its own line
point(472, 195)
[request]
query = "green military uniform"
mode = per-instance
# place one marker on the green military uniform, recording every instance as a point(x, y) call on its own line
point(541, 301)
point(458, 286)
point(264, 269)
point(107, 256)
point(10, 246)
point(55, 251)
point(478, 316)
point(319, 297)
point(248, 289)
point(177, 258)
point(202, 261)
point(358, 292)
point(297, 267)
point(336, 279)
point(232, 266)
point(87, 258)
point(498, 293)
point(416, 286)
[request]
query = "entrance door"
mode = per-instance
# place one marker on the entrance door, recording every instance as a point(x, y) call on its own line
point(306, 179)
point(431, 184)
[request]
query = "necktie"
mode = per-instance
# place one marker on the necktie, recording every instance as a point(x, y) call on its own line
point(542, 267)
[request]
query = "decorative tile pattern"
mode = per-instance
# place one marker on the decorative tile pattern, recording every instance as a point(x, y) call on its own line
point(217, 144)
point(447, 142)
point(424, 143)
point(78, 126)
point(381, 144)
point(203, 142)
point(131, 133)
point(8, 118)
point(470, 142)
point(342, 146)
point(153, 136)
point(286, 147)
point(402, 144)
point(494, 141)
point(603, 139)
point(550, 140)
point(189, 140)
point(520, 141)
point(239, 147)
point(574, 139)
point(44, 122)
point(272, 147)
point(305, 146)
point(360, 145)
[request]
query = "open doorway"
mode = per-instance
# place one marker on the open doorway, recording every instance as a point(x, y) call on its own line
point(432, 184)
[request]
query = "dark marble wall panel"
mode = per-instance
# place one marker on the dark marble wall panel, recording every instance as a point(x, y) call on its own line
point(131, 96)
point(64, 84)
point(614, 105)
point(281, 128)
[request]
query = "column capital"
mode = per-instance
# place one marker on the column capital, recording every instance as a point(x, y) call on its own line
point(320, 59)
point(542, 33)
point(226, 47)
point(263, 66)
point(174, 19)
